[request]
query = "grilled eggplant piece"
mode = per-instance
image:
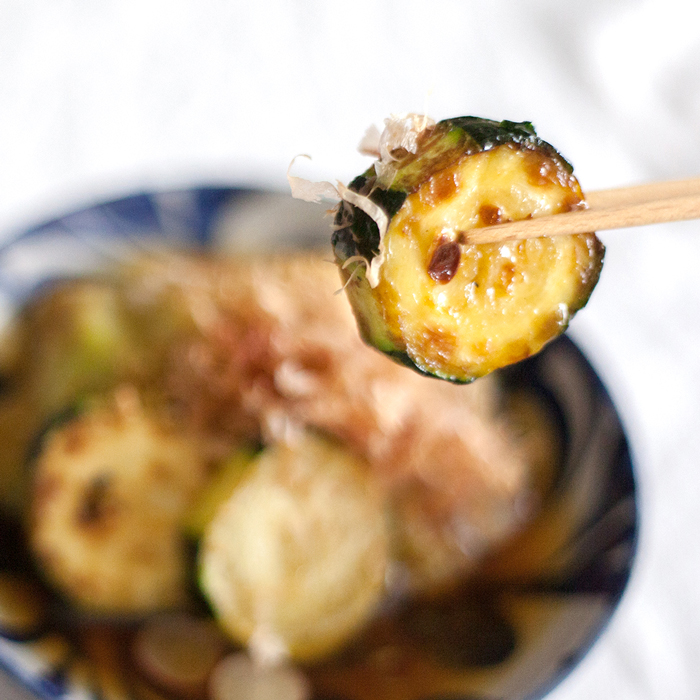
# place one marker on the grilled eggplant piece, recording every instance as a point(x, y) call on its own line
point(420, 292)
point(111, 488)
point(294, 561)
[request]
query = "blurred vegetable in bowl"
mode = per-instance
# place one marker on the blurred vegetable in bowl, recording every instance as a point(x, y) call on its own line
point(287, 352)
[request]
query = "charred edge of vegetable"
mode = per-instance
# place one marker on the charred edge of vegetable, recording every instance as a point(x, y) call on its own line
point(488, 133)
point(361, 235)
point(55, 422)
point(451, 139)
point(404, 359)
point(35, 445)
point(376, 337)
point(588, 284)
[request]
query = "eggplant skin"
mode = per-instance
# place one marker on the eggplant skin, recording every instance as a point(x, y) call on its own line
point(445, 307)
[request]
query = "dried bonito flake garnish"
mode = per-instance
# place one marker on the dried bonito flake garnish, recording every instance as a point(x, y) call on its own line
point(401, 134)
point(420, 291)
point(308, 190)
point(308, 367)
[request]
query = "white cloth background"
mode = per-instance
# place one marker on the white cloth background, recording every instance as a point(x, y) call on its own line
point(101, 98)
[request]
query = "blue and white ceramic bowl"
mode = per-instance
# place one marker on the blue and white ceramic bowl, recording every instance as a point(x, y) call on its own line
point(541, 608)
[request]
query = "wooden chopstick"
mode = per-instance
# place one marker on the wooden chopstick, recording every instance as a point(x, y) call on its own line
point(655, 203)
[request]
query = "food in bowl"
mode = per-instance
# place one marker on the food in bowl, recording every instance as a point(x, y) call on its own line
point(229, 402)
point(332, 524)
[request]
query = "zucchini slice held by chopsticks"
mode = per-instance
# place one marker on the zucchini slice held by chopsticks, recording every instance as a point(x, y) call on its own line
point(421, 292)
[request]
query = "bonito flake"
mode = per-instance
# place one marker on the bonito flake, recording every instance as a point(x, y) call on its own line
point(401, 132)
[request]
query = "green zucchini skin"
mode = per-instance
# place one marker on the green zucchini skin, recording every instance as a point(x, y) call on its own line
point(442, 149)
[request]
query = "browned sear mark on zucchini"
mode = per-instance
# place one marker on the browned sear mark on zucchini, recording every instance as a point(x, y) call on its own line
point(443, 185)
point(490, 215)
point(542, 170)
point(94, 506)
point(506, 276)
point(445, 261)
point(437, 340)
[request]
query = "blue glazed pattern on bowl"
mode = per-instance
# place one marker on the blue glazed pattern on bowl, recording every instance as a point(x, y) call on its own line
point(543, 604)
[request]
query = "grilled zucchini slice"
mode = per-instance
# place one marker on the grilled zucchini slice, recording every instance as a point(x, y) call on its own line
point(69, 340)
point(420, 292)
point(294, 561)
point(110, 490)
point(79, 337)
